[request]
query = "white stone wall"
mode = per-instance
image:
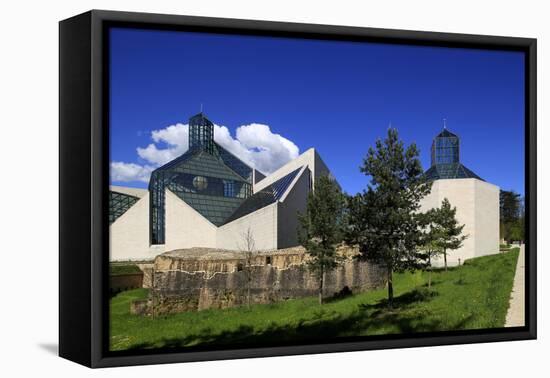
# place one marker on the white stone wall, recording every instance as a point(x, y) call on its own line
point(262, 224)
point(319, 168)
point(129, 234)
point(185, 227)
point(477, 204)
point(293, 202)
point(487, 218)
point(305, 159)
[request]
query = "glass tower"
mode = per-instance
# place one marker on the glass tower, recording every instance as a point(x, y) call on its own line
point(446, 159)
point(201, 133)
point(207, 177)
point(445, 148)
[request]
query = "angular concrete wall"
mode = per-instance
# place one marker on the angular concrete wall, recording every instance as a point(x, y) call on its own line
point(263, 227)
point(310, 159)
point(185, 227)
point(477, 204)
point(319, 169)
point(291, 204)
point(487, 218)
point(129, 234)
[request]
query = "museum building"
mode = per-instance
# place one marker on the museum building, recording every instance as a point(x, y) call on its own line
point(477, 201)
point(209, 198)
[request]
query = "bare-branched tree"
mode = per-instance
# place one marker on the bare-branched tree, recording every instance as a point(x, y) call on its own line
point(248, 246)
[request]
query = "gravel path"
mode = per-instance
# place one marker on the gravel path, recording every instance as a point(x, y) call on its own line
point(516, 312)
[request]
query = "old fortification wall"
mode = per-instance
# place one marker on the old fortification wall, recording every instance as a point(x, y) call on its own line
point(199, 278)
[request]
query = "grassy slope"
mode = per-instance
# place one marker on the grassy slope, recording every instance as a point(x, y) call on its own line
point(472, 296)
point(121, 269)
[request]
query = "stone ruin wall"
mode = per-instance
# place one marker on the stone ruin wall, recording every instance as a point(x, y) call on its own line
point(198, 279)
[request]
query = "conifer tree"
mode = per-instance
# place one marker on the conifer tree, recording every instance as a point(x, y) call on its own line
point(450, 231)
point(511, 216)
point(384, 219)
point(430, 237)
point(320, 228)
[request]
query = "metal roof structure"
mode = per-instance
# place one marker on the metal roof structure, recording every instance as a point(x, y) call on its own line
point(450, 171)
point(119, 203)
point(446, 134)
point(210, 179)
point(268, 195)
point(445, 156)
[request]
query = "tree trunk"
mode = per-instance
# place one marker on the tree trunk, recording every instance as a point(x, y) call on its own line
point(248, 292)
point(390, 287)
point(429, 272)
point(248, 277)
point(445, 258)
point(321, 284)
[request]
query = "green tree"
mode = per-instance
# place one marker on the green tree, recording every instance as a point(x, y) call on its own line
point(430, 236)
point(510, 205)
point(511, 216)
point(449, 234)
point(384, 220)
point(320, 228)
point(516, 231)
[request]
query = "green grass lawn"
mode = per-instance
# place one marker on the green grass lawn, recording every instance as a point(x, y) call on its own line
point(121, 269)
point(472, 296)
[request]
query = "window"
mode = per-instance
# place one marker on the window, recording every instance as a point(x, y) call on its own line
point(200, 182)
point(228, 188)
point(445, 150)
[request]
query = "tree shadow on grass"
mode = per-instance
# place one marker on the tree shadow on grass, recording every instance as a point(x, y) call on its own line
point(342, 294)
point(369, 319)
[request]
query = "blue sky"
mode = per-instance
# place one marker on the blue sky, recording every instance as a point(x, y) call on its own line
point(338, 97)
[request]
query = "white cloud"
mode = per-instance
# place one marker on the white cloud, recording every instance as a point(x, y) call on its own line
point(266, 151)
point(126, 172)
point(255, 144)
point(175, 137)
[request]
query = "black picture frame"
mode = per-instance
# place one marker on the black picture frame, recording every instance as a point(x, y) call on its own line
point(83, 180)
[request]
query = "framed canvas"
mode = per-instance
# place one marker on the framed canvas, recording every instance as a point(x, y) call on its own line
point(235, 188)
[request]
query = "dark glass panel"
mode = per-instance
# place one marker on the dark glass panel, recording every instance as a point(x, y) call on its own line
point(264, 197)
point(119, 203)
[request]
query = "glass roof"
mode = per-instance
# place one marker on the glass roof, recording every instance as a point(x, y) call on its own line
point(264, 197)
point(207, 177)
point(119, 203)
point(233, 162)
point(449, 171)
point(446, 159)
point(201, 180)
point(446, 134)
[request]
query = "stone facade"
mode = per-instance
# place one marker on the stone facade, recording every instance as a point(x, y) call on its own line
point(129, 234)
point(477, 208)
point(202, 278)
point(262, 224)
point(147, 270)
